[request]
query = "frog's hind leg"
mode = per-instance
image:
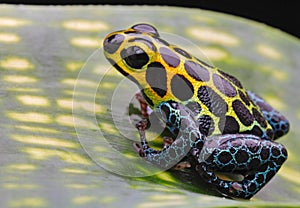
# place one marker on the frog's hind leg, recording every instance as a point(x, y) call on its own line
point(279, 123)
point(257, 160)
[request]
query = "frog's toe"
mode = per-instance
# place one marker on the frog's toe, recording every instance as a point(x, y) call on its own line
point(138, 149)
point(167, 141)
point(182, 165)
point(141, 125)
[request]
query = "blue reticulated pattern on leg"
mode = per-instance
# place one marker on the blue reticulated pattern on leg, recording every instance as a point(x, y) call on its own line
point(279, 123)
point(178, 119)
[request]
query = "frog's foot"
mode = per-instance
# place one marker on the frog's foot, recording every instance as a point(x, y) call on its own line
point(279, 123)
point(144, 149)
point(255, 159)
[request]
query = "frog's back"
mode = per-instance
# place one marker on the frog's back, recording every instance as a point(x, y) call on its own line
point(166, 72)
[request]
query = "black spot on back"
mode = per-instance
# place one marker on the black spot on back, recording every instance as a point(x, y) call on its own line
point(212, 100)
point(183, 53)
point(270, 134)
point(156, 78)
point(203, 63)
point(181, 87)
point(224, 86)
point(232, 79)
point(196, 71)
point(194, 107)
point(259, 118)
point(169, 57)
point(161, 41)
point(206, 125)
point(242, 112)
point(244, 97)
point(255, 131)
point(228, 125)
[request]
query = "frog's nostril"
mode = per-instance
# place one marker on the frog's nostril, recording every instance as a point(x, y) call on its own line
point(112, 43)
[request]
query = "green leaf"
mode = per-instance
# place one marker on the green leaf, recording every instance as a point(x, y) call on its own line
point(65, 133)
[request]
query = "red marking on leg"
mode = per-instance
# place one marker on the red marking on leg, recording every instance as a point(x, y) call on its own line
point(143, 105)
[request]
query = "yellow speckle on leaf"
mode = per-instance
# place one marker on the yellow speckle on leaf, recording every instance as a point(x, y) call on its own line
point(74, 170)
point(47, 153)
point(204, 19)
point(27, 202)
point(74, 66)
point(16, 63)
point(19, 79)
point(275, 102)
point(164, 200)
point(81, 200)
point(268, 51)
point(69, 120)
point(213, 36)
point(109, 128)
point(45, 141)
point(22, 167)
point(86, 42)
point(9, 38)
point(72, 104)
point(76, 185)
point(213, 53)
point(166, 177)
point(30, 117)
point(277, 74)
point(81, 83)
point(107, 199)
point(33, 100)
point(85, 25)
point(38, 129)
point(12, 22)
point(18, 186)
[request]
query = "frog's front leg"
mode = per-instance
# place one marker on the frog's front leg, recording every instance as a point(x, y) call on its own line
point(279, 123)
point(257, 160)
point(180, 121)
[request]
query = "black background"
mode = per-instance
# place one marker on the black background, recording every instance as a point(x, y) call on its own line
point(284, 15)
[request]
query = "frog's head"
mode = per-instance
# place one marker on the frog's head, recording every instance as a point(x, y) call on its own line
point(153, 64)
point(133, 51)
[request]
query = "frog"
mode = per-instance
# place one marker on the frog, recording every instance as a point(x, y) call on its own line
point(223, 126)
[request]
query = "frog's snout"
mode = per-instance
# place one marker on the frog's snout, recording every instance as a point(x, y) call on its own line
point(112, 42)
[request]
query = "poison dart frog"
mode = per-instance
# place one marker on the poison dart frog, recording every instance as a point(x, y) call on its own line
point(214, 119)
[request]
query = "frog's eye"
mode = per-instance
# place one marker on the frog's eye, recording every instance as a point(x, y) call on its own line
point(145, 28)
point(135, 57)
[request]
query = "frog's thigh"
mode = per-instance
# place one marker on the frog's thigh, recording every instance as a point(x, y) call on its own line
point(256, 159)
point(279, 123)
